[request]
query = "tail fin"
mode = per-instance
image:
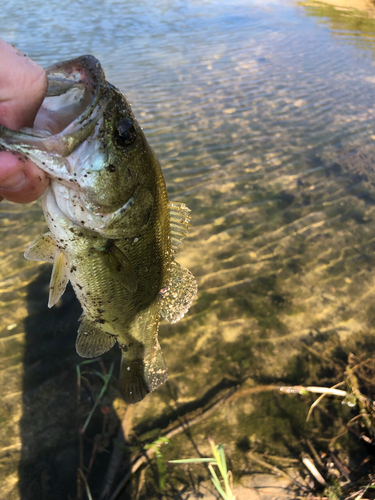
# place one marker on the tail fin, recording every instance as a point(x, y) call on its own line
point(140, 376)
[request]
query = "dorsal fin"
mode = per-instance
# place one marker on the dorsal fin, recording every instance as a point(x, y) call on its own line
point(92, 341)
point(180, 294)
point(43, 249)
point(59, 278)
point(180, 221)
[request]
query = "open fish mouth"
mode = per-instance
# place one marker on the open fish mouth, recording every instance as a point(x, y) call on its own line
point(71, 94)
point(69, 112)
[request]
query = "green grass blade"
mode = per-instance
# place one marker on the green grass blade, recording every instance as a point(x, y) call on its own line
point(192, 460)
point(213, 473)
point(214, 450)
point(89, 361)
point(162, 471)
point(224, 470)
point(221, 461)
point(100, 375)
point(219, 488)
point(158, 442)
point(101, 394)
point(216, 483)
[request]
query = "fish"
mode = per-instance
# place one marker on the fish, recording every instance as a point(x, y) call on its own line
point(113, 233)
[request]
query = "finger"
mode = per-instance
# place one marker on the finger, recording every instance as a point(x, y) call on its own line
point(23, 85)
point(21, 181)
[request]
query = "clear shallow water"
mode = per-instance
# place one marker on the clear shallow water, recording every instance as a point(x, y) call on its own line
point(262, 116)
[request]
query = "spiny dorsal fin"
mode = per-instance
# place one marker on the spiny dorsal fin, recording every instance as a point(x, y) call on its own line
point(179, 296)
point(119, 265)
point(180, 221)
point(59, 278)
point(91, 340)
point(43, 248)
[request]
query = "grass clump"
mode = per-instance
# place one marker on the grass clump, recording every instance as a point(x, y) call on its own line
point(222, 485)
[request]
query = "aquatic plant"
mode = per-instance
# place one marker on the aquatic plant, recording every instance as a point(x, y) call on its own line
point(105, 378)
point(219, 460)
point(162, 471)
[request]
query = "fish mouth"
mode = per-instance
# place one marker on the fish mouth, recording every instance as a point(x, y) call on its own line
point(75, 101)
point(73, 92)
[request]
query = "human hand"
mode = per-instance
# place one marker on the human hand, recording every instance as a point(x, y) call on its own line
point(23, 85)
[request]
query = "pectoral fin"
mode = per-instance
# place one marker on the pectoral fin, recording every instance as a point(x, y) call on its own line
point(43, 248)
point(91, 340)
point(180, 294)
point(120, 266)
point(59, 278)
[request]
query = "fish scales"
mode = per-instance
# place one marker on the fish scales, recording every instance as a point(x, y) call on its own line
point(112, 231)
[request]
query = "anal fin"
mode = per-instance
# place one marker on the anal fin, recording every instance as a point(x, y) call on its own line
point(92, 341)
point(180, 294)
point(138, 376)
point(43, 249)
point(59, 278)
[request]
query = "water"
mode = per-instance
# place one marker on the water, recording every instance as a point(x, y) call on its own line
point(262, 116)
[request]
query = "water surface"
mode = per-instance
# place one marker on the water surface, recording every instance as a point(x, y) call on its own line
point(262, 116)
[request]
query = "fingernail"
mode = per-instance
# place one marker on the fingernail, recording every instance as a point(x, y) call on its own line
point(14, 182)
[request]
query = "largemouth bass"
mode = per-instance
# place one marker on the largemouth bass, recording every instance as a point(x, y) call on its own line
point(112, 232)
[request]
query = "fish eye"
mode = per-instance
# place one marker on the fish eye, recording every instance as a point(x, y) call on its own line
point(126, 132)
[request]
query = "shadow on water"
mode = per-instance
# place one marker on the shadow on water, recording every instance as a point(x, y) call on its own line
point(48, 426)
point(51, 415)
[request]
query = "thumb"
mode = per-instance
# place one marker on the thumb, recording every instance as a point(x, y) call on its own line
point(23, 85)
